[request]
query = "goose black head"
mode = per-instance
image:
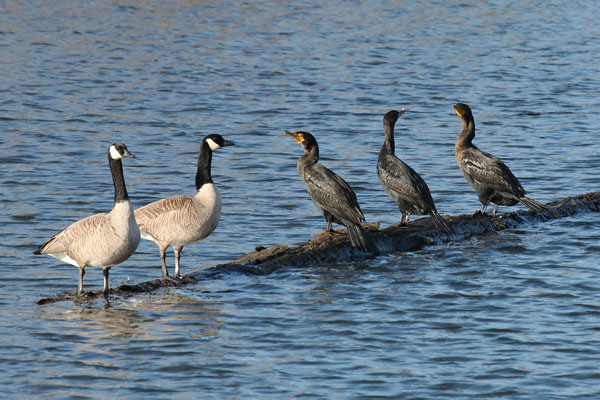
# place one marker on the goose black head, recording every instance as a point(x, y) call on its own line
point(216, 141)
point(117, 151)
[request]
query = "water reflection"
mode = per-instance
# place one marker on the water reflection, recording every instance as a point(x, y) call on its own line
point(159, 316)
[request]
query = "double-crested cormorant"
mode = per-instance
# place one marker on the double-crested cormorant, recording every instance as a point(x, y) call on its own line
point(487, 175)
point(182, 220)
point(100, 240)
point(402, 183)
point(331, 194)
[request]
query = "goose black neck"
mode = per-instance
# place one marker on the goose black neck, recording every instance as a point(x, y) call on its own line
point(116, 169)
point(204, 160)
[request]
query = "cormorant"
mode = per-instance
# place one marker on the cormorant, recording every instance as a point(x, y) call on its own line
point(487, 175)
point(331, 194)
point(402, 183)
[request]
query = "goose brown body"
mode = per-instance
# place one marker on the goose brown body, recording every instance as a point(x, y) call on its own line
point(182, 220)
point(101, 240)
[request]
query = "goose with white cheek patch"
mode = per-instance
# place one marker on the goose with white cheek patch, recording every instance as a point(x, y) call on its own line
point(101, 240)
point(181, 220)
point(487, 175)
point(331, 194)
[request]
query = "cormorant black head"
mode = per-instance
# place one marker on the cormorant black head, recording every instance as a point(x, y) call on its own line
point(462, 110)
point(391, 117)
point(306, 139)
point(216, 141)
point(118, 151)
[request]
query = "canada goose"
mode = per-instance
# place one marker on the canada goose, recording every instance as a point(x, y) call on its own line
point(182, 220)
point(331, 194)
point(403, 184)
point(100, 240)
point(486, 174)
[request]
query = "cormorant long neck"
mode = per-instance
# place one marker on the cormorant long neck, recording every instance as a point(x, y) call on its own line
point(467, 133)
point(116, 169)
point(389, 145)
point(311, 154)
point(204, 161)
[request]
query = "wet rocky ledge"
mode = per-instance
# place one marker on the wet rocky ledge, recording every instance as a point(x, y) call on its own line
point(328, 248)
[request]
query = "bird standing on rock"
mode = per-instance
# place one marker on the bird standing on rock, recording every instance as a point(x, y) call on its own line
point(488, 176)
point(331, 194)
point(181, 220)
point(100, 240)
point(402, 183)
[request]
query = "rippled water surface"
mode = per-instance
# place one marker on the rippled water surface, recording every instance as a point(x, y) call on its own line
point(513, 314)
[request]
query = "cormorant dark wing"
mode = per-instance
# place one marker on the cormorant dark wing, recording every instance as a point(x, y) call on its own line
point(405, 181)
point(490, 171)
point(330, 192)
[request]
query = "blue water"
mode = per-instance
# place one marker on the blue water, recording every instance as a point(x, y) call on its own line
point(508, 315)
